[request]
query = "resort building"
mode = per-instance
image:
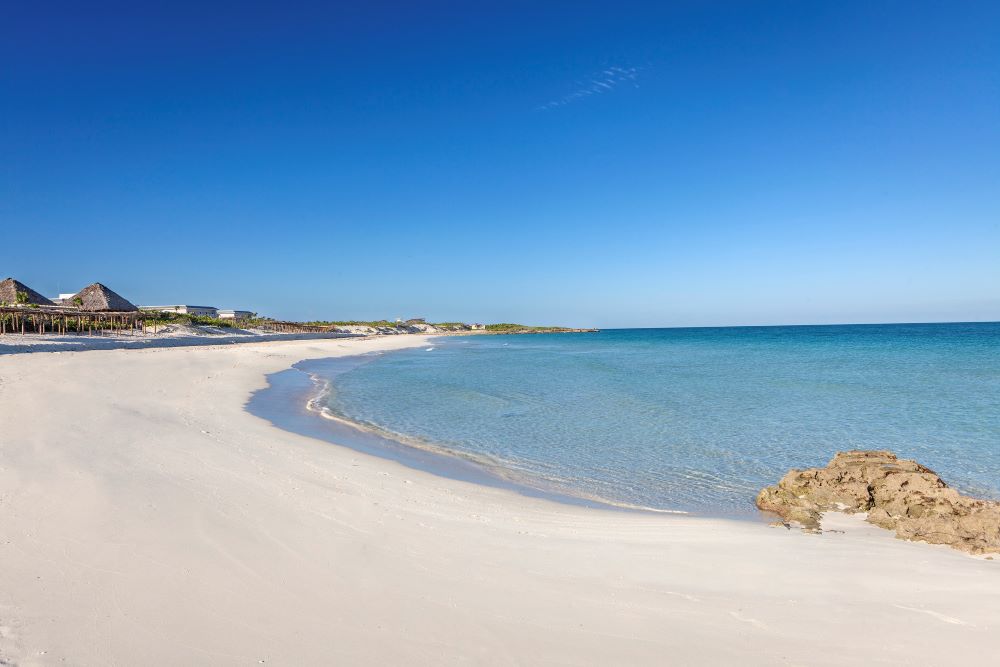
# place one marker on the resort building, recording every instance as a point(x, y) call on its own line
point(235, 314)
point(200, 311)
point(15, 293)
point(477, 327)
point(98, 298)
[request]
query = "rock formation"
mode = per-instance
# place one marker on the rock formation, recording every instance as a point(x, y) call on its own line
point(897, 494)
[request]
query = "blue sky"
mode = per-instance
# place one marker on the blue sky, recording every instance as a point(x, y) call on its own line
point(588, 163)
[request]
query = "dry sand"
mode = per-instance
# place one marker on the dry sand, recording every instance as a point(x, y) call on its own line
point(147, 519)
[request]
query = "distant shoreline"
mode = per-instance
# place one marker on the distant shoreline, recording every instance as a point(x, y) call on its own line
point(17, 343)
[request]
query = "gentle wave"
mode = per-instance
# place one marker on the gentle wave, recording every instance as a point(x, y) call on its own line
point(501, 469)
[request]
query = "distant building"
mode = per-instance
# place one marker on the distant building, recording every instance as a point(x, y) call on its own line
point(200, 311)
point(63, 299)
point(477, 327)
point(235, 314)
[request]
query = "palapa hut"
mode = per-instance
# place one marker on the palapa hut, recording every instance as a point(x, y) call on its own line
point(10, 288)
point(99, 299)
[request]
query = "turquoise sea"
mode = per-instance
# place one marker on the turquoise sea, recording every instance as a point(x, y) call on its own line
point(690, 419)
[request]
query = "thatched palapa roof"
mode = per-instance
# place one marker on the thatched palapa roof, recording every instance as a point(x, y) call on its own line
point(97, 298)
point(10, 287)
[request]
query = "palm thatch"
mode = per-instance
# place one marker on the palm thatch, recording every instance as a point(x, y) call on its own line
point(99, 299)
point(10, 288)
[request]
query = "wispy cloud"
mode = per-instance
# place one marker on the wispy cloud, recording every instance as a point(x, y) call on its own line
point(599, 83)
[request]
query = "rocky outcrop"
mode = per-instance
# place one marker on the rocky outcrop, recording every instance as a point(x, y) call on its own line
point(385, 331)
point(354, 329)
point(897, 494)
point(421, 327)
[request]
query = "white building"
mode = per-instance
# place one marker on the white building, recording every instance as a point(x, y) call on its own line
point(235, 314)
point(63, 299)
point(200, 311)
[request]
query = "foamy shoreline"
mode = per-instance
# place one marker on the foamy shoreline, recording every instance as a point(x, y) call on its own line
point(414, 452)
point(147, 518)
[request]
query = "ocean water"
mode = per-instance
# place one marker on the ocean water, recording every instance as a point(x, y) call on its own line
point(691, 419)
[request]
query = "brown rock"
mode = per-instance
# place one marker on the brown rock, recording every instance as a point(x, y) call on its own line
point(897, 494)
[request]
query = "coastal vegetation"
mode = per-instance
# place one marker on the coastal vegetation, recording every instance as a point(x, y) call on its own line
point(16, 317)
point(375, 324)
point(165, 318)
point(446, 326)
point(507, 327)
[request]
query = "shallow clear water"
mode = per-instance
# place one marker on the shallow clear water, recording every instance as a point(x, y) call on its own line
point(692, 419)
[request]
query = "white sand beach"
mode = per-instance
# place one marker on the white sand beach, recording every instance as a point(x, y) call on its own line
point(147, 519)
